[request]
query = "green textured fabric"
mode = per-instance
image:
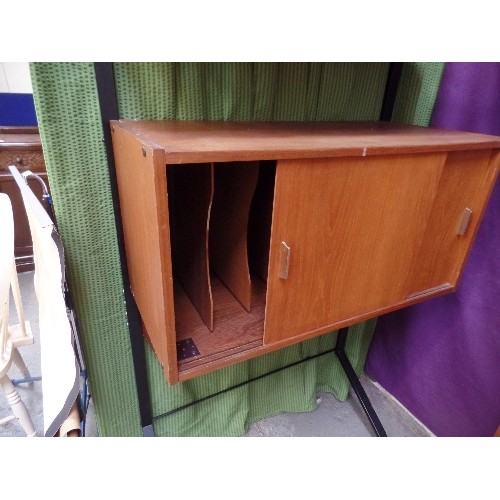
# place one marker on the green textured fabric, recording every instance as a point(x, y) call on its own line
point(417, 93)
point(250, 91)
point(68, 115)
point(72, 140)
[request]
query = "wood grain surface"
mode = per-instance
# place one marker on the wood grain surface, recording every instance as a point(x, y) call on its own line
point(191, 191)
point(142, 182)
point(352, 225)
point(234, 187)
point(370, 213)
point(465, 182)
point(203, 141)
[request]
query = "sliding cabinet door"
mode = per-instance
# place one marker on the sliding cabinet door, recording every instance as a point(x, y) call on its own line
point(344, 235)
point(464, 188)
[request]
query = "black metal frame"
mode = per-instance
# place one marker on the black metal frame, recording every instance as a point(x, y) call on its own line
point(356, 384)
point(109, 111)
point(391, 90)
point(339, 351)
point(106, 92)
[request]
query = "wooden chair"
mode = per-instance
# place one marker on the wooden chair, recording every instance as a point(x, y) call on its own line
point(12, 337)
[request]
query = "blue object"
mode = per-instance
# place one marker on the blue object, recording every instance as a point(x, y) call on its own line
point(27, 380)
point(17, 110)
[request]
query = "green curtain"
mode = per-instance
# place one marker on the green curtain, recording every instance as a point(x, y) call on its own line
point(72, 137)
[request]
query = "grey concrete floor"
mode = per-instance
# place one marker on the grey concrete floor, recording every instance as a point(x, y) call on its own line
point(331, 418)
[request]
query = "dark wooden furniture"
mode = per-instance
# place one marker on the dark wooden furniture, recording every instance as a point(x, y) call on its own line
point(21, 147)
point(242, 238)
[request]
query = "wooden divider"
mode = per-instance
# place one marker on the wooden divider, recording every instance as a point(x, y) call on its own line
point(217, 213)
point(234, 188)
point(191, 191)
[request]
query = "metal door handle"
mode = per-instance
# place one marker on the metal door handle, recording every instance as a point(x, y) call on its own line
point(464, 222)
point(284, 261)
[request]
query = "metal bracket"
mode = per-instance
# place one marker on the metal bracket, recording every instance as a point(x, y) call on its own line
point(186, 349)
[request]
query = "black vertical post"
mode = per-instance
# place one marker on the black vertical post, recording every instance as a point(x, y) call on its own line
point(391, 90)
point(356, 384)
point(106, 91)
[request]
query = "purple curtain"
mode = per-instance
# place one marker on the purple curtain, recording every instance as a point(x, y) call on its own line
point(441, 358)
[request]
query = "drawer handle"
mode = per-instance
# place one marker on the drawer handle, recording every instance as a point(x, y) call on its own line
point(464, 222)
point(284, 261)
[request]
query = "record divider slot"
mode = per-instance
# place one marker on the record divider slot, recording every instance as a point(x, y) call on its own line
point(220, 220)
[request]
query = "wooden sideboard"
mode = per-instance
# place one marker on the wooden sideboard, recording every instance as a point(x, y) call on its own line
point(243, 238)
point(21, 147)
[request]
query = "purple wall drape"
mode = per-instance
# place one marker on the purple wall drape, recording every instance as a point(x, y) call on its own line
point(441, 358)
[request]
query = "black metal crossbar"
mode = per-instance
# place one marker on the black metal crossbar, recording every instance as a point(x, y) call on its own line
point(339, 351)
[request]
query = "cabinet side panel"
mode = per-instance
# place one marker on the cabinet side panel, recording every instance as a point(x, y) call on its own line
point(465, 186)
point(352, 227)
point(142, 191)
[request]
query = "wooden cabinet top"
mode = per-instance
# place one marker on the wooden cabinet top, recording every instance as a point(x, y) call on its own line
point(202, 141)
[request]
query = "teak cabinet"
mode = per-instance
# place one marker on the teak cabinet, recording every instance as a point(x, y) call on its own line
point(242, 238)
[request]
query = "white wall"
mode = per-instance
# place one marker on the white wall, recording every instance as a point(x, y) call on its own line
point(15, 78)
